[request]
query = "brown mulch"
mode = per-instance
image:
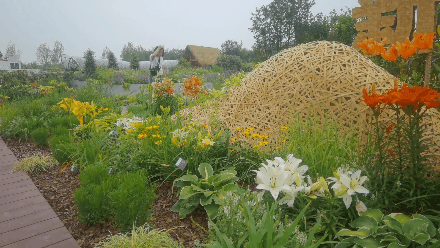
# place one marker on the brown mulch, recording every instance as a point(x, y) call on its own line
point(58, 190)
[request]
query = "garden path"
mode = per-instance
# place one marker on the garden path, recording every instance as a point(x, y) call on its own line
point(26, 219)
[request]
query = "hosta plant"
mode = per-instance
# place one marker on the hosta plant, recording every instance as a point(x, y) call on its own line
point(393, 230)
point(208, 191)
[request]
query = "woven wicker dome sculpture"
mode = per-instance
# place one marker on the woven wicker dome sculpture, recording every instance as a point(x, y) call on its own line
point(322, 77)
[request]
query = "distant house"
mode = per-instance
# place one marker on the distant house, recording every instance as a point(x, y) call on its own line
point(201, 56)
point(10, 64)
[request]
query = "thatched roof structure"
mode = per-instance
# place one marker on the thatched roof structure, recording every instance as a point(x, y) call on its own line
point(201, 56)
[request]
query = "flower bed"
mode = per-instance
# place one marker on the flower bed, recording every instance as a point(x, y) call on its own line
point(314, 184)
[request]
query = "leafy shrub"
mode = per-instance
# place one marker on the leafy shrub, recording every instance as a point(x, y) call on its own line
point(209, 191)
point(34, 163)
point(60, 131)
point(141, 236)
point(40, 136)
point(112, 63)
point(65, 121)
point(184, 63)
point(132, 200)
point(93, 202)
point(229, 62)
point(62, 148)
point(399, 231)
point(134, 61)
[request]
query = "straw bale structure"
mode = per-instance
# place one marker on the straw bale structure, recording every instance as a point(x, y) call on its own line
point(201, 56)
point(318, 78)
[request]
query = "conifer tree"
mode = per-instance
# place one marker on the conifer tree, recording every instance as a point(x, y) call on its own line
point(134, 61)
point(90, 66)
point(112, 61)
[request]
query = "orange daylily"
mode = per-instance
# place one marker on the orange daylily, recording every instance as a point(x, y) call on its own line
point(423, 41)
point(372, 100)
point(406, 49)
point(391, 54)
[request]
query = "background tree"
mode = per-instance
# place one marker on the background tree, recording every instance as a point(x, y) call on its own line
point(127, 50)
point(231, 47)
point(134, 61)
point(342, 27)
point(57, 53)
point(11, 50)
point(229, 62)
point(172, 54)
point(44, 55)
point(281, 24)
point(90, 66)
point(1, 55)
point(112, 63)
point(105, 53)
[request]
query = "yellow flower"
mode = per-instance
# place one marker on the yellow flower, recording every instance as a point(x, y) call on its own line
point(155, 127)
point(239, 128)
point(256, 146)
point(283, 128)
point(137, 124)
point(264, 137)
point(148, 128)
point(255, 135)
point(208, 142)
point(246, 133)
point(249, 129)
point(155, 136)
point(278, 147)
point(142, 136)
point(158, 142)
point(129, 130)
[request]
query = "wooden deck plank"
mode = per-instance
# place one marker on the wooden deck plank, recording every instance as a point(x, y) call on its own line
point(68, 243)
point(18, 190)
point(52, 238)
point(23, 211)
point(5, 181)
point(16, 185)
point(30, 231)
point(20, 222)
point(18, 197)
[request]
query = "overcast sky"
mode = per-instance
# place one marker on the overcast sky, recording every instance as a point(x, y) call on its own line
point(94, 24)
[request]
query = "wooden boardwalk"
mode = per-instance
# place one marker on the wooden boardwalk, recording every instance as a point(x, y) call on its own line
point(26, 219)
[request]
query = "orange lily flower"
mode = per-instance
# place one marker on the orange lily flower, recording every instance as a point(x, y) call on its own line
point(406, 49)
point(423, 41)
point(372, 100)
point(391, 54)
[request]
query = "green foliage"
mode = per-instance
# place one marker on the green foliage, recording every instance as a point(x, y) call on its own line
point(34, 163)
point(125, 196)
point(280, 25)
point(92, 198)
point(40, 136)
point(112, 63)
point(60, 131)
point(229, 62)
point(184, 63)
point(394, 230)
point(142, 236)
point(65, 121)
point(263, 233)
point(62, 148)
point(231, 47)
point(342, 27)
point(134, 61)
point(132, 200)
point(208, 191)
point(90, 66)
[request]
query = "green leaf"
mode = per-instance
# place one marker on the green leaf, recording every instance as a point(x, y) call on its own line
point(361, 233)
point(205, 170)
point(212, 210)
point(187, 178)
point(205, 200)
point(375, 214)
point(230, 187)
point(208, 193)
point(224, 178)
point(401, 218)
point(431, 228)
point(369, 243)
point(348, 242)
point(187, 192)
point(414, 227)
point(364, 221)
point(421, 238)
point(219, 197)
point(396, 245)
point(393, 224)
point(390, 238)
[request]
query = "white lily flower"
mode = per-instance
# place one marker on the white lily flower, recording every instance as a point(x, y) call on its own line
point(273, 179)
point(292, 165)
point(356, 184)
point(291, 195)
point(361, 207)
